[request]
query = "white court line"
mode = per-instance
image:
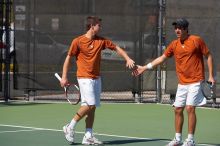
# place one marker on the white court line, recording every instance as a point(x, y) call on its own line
point(101, 134)
point(46, 129)
point(15, 131)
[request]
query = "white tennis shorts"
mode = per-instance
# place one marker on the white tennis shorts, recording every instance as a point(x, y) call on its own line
point(90, 90)
point(190, 94)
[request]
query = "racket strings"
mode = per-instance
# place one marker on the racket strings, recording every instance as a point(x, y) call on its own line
point(207, 89)
point(72, 93)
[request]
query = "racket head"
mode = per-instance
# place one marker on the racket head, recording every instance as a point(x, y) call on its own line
point(72, 94)
point(207, 89)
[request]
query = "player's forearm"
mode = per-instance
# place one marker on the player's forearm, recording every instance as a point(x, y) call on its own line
point(155, 62)
point(66, 67)
point(210, 65)
point(122, 53)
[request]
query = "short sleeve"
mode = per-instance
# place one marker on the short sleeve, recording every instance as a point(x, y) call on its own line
point(169, 51)
point(203, 47)
point(73, 50)
point(109, 44)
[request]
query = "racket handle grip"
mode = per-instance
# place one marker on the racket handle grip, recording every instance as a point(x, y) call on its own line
point(211, 85)
point(57, 76)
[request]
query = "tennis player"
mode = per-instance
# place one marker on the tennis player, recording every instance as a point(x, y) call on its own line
point(188, 51)
point(87, 51)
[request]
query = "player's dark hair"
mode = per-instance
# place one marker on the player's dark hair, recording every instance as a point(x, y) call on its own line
point(92, 21)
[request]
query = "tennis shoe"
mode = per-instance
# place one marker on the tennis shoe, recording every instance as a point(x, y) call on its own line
point(91, 141)
point(69, 133)
point(175, 142)
point(189, 143)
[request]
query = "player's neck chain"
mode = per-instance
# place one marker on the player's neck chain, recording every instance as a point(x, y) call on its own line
point(91, 46)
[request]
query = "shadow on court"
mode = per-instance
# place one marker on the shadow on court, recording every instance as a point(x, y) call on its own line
point(132, 141)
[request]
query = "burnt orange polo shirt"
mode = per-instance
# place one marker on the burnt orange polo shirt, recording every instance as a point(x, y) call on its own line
point(88, 54)
point(188, 58)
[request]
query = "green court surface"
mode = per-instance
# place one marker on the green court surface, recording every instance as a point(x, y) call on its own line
point(40, 124)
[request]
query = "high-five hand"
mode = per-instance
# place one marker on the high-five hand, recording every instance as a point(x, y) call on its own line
point(130, 64)
point(138, 70)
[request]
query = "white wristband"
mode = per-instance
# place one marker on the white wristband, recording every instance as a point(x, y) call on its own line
point(149, 66)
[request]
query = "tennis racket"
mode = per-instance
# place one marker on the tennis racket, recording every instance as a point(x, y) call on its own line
point(72, 92)
point(207, 89)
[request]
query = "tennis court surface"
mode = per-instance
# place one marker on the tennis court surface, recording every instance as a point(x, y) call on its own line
point(40, 124)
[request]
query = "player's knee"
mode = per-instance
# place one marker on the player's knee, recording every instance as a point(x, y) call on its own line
point(190, 109)
point(179, 110)
point(92, 107)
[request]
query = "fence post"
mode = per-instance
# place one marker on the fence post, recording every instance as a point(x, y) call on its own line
point(159, 51)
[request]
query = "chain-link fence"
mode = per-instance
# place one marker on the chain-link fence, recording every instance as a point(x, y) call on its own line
point(44, 30)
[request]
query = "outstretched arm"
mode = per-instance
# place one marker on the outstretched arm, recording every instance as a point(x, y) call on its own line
point(140, 69)
point(129, 61)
